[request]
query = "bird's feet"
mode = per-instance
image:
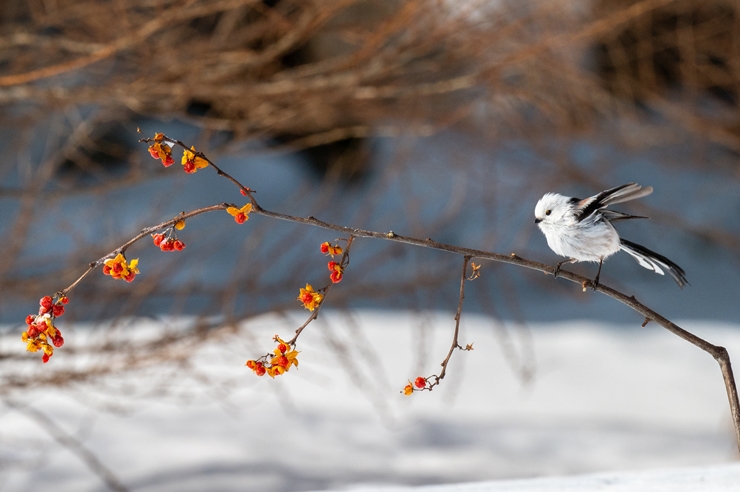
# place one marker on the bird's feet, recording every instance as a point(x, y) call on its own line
point(557, 267)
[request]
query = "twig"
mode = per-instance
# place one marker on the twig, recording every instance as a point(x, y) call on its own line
point(144, 232)
point(719, 353)
point(315, 313)
point(455, 343)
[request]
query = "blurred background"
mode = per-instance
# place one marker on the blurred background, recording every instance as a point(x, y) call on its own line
point(432, 118)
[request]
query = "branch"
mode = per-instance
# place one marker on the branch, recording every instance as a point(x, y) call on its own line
point(719, 353)
point(315, 313)
point(455, 343)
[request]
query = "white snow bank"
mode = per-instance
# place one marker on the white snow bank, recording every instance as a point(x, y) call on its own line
point(724, 478)
point(603, 398)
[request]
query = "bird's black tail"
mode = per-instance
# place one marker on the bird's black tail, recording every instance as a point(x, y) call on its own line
point(655, 262)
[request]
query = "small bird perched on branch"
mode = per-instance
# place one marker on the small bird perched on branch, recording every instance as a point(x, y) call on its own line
point(582, 230)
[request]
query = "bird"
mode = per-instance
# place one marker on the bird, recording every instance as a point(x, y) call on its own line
point(582, 230)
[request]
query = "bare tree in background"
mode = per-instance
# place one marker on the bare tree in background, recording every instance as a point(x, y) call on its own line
point(329, 80)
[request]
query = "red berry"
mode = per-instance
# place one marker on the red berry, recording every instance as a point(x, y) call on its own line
point(130, 277)
point(240, 218)
point(117, 268)
point(158, 238)
point(30, 319)
point(251, 364)
point(189, 167)
point(179, 245)
point(46, 301)
point(106, 269)
point(153, 152)
point(324, 248)
point(282, 361)
point(331, 265)
point(243, 192)
point(168, 161)
point(58, 310)
point(336, 277)
point(45, 358)
point(33, 331)
point(64, 299)
point(283, 348)
point(57, 341)
point(260, 371)
point(420, 382)
point(44, 310)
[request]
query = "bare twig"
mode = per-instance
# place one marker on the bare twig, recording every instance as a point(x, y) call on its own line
point(315, 313)
point(719, 353)
point(455, 342)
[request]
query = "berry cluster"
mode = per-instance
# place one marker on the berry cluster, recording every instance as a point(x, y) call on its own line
point(119, 269)
point(167, 243)
point(276, 365)
point(241, 215)
point(167, 240)
point(310, 298)
point(191, 163)
point(161, 150)
point(41, 330)
point(419, 384)
point(336, 270)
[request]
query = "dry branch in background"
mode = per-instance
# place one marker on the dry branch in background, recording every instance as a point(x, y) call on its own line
point(327, 77)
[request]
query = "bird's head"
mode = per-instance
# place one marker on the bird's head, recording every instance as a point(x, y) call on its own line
point(551, 209)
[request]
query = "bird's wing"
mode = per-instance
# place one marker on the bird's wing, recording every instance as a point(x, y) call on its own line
point(614, 216)
point(630, 191)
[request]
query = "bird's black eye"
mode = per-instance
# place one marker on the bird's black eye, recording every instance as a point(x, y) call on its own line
point(547, 212)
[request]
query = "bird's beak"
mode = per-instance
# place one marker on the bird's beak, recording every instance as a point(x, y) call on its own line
point(537, 220)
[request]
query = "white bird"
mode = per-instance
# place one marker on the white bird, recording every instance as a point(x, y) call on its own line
point(582, 230)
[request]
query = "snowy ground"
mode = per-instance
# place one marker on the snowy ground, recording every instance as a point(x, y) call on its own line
point(604, 398)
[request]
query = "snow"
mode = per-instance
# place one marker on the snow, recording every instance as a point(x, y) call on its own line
point(603, 399)
point(713, 478)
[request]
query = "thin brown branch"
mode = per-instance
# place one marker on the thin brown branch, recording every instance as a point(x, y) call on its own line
point(144, 232)
point(315, 313)
point(719, 353)
point(455, 342)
